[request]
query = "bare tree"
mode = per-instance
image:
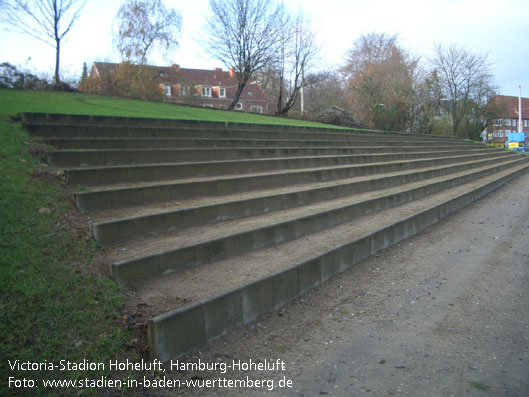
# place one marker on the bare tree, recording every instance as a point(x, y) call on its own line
point(380, 81)
point(45, 20)
point(467, 83)
point(297, 49)
point(324, 90)
point(144, 24)
point(243, 34)
point(427, 101)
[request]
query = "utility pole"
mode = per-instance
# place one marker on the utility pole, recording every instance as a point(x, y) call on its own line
point(302, 85)
point(520, 128)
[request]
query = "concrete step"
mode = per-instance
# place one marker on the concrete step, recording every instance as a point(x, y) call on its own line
point(46, 124)
point(276, 275)
point(91, 158)
point(171, 171)
point(230, 131)
point(217, 224)
point(143, 220)
point(54, 119)
point(205, 244)
point(214, 144)
point(118, 196)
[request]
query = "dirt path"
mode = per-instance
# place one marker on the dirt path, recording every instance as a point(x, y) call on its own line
point(444, 313)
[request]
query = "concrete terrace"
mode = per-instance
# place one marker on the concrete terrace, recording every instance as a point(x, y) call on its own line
point(215, 224)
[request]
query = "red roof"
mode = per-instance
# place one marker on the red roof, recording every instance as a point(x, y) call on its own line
point(174, 75)
point(511, 104)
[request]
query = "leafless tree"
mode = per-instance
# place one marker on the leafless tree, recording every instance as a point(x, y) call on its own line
point(297, 49)
point(427, 101)
point(45, 20)
point(467, 83)
point(324, 90)
point(144, 24)
point(243, 34)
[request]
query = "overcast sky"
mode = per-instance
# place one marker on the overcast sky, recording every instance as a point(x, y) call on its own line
point(498, 28)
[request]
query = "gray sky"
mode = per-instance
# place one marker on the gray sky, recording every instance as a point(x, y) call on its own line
point(497, 28)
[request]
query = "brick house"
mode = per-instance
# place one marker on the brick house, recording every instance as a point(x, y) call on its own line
point(498, 132)
point(208, 88)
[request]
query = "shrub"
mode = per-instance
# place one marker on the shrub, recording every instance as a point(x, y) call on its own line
point(13, 78)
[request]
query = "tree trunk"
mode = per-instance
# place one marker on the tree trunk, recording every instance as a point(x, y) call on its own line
point(280, 97)
point(290, 103)
point(56, 17)
point(57, 57)
point(240, 88)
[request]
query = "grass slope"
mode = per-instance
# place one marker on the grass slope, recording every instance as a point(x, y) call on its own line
point(14, 101)
point(50, 310)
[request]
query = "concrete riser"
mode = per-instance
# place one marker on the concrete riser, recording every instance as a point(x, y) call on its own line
point(35, 121)
point(111, 232)
point(59, 119)
point(208, 319)
point(167, 143)
point(113, 157)
point(148, 173)
point(90, 201)
point(130, 272)
point(49, 122)
point(43, 121)
point(83, 131)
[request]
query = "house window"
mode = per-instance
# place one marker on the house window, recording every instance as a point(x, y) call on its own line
point(238, 106)
point(525, 123)
point(497, 122)
point(256, 109)
point(207, 105)
point(206, 91)
point(184, 90)
point(508, 122)
point(167, 89)
point(514, 123)
point(222, 92)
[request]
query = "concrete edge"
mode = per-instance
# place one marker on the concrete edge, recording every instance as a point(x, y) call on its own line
point(109, 232)
point(121, 157)
point(128, 196)
point(161, 172)
point(59, 118)
point(175, 333)
point(137, 269)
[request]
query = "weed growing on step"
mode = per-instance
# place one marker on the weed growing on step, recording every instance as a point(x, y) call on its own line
point(480, 386)
point(214, 248)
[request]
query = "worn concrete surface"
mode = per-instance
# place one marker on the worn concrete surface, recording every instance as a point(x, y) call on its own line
point(444, 313)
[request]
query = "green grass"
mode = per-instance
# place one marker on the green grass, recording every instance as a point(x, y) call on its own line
point(14, 102)
point(51, 308)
